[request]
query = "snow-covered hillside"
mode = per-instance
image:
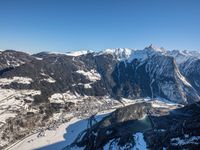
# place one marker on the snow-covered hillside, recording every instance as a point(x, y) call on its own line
point(62, 135)
point(49, 90)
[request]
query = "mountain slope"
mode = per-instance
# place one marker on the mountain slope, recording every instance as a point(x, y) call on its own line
point(41, 86)
point(144, 126)
point(118, 72)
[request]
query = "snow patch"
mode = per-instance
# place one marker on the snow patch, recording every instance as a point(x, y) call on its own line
point(47, 78)
point(87, 86)
point(181, 56)
point(119, 53)
point(20, 80)
point(139, 142)
point(140, 55)
point(91, 75)
point(78, 53)
point(50, 80)
point(11, 101)
point(178, 141)
point(38, 58)
point(65, 97)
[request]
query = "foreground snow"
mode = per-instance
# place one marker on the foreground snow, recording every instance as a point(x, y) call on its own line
point(91, 75)
point(64, 134)
point(140, 143)
point(56, 139)
point(52, 139)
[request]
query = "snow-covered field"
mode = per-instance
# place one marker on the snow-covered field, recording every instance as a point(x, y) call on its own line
point(56, 139)
point(52, 139)
point(11, 101)
point(64, 134)
point(91, 75)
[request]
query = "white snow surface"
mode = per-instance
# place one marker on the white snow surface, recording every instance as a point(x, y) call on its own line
point(140, 143)
point(65, 97)
point(161, 103)
point(38, 58)
point(56, 139)
point(53, 139)
point(182, 56)
point(72, 53)
point(12, 100)
point(91, 75)
point(87, 86)
point(187, 140)
point(21, 80)
point(120, 53)
point(47, 78)
point(65, 133)
point(50, 80)
point(77, 53)
point(127, 54)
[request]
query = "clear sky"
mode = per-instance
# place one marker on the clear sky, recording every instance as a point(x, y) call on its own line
point(63, 25)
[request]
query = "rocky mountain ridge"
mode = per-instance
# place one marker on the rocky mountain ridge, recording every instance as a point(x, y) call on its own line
point(41, 86)
point(120, 73)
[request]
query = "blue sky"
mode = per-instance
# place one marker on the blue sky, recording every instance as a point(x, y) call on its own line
point(62, 25)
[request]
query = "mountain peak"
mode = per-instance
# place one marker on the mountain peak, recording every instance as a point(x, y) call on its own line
point(119, 53)
point(155, 48)
point(78, 53)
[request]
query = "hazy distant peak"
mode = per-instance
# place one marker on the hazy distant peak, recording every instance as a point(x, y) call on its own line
point(155, 48)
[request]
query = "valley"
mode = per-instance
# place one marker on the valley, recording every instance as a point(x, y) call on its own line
point(108, 99)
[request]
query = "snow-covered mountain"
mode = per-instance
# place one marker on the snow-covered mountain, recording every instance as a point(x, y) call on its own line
point(38, 87)
point(78, 53)
point(11, 59)
point(128, 73)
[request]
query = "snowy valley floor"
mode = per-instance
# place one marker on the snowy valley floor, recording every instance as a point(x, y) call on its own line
point(65, 133)
point(56, 139)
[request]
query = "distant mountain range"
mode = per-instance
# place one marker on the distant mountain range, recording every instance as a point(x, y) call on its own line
point(38, 92)
point(129, 73)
